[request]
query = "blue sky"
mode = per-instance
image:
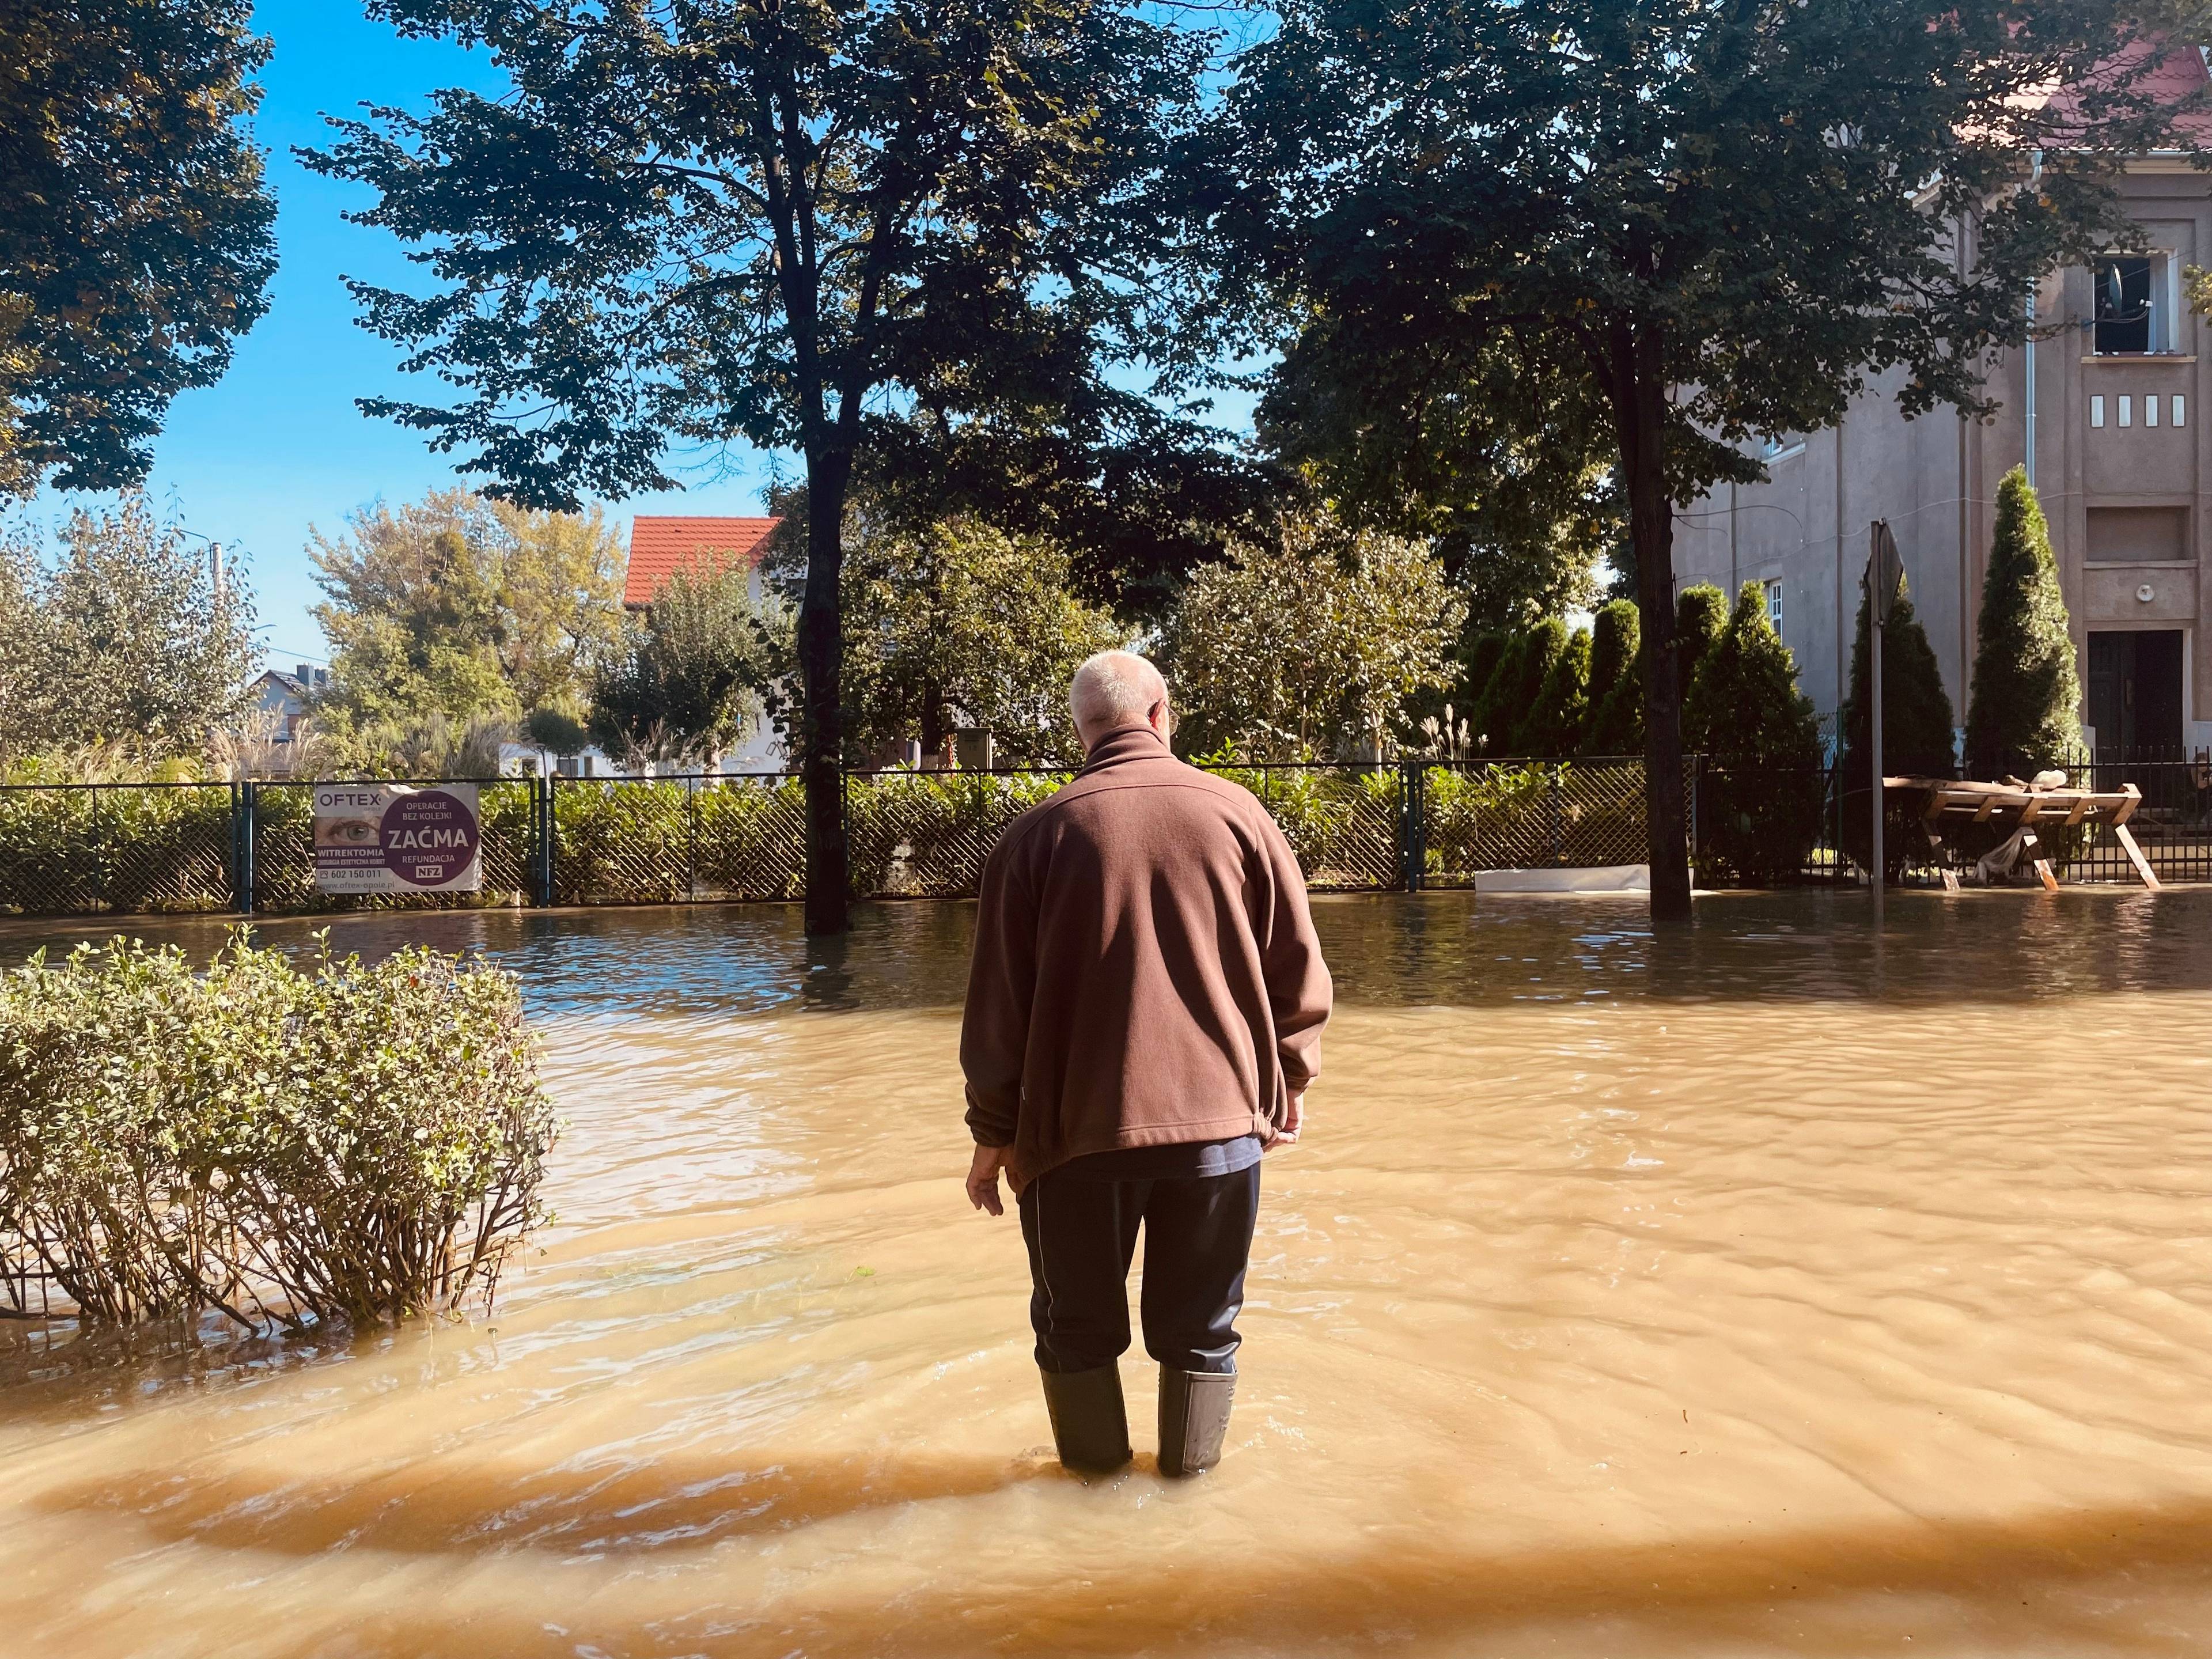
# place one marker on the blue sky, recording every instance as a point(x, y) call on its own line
point(278, 445)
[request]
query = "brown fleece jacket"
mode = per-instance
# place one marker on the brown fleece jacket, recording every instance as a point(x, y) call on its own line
point(1145, 970)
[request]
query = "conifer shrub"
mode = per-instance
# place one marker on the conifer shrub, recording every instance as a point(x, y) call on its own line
point(1917, 732)
point(1701, 613)
point(1553, 728)
point(341, 1142)
point(1761, 790)
point(2024, 713)
point(1501, 717)
point(1615, 725)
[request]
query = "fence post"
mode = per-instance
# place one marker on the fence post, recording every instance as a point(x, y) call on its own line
point(1557, 796)
point(547, 818)
point(246, 830)
point(1696, 776)
point(1417, 868)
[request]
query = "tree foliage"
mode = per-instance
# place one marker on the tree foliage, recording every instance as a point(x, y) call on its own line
point(1763, 785)
point(464, 607)
point(2024, 715)
point(120, 638)
point(1553, 723)
point(1917, 738)
point(693, 676)
point(1506, 478)
point(1615, 726)
point(788, 225)
point(1705, 223)
point(960, 624)
point(137, 231)
point(1701, 617)
point(1508, 698)
point(1313, 642)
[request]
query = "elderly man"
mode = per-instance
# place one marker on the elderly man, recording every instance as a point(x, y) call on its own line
point(1145, 1011)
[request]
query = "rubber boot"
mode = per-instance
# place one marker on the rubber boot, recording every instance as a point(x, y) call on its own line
point(1194, 1418)
point(1090, 1426)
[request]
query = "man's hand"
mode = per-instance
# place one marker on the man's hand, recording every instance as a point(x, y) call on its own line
point(1293, 1121)
point(984, 1178)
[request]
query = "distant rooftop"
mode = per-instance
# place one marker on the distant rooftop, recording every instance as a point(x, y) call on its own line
point(661, 546)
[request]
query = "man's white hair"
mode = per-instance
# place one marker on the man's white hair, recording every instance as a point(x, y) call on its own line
point(1115, 689)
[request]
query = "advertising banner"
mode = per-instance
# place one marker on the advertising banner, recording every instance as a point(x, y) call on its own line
point(390, 838)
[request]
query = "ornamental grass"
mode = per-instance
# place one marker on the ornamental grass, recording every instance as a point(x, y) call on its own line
point(287, 1144)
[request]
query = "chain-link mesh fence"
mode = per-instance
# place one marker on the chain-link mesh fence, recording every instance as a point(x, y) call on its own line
point(1523, 815)
point(88, 849)
point(1355, 826)
point(281, 819)
point(657, 841)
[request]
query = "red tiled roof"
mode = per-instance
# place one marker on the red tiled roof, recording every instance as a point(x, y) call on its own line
point(659, 547)
point(2168, 71)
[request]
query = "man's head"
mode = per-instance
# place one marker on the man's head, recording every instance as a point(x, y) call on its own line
point(1116, 690)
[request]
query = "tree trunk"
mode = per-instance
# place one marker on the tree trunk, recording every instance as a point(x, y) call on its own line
point(933, 719)
point(1639, 401)
point(822, 723)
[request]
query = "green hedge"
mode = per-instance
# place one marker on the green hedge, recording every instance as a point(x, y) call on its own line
point(347, 1141)
point(116, 848)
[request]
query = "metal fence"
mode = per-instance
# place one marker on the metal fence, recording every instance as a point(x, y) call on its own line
point(121, 849)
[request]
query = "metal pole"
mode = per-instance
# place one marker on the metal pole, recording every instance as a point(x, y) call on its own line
point(1878, 592)
point(246, 851)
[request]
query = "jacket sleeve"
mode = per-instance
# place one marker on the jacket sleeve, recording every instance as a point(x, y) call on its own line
point(1299, 987)
point(995, 1025)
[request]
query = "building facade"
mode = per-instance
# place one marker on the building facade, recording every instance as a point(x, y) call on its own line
point(2107, 414)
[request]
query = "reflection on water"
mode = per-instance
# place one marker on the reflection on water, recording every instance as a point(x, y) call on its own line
point(1392, 950)
point(1774, 1287)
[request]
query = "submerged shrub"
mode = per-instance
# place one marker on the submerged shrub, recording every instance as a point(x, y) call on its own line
point(348, 1141)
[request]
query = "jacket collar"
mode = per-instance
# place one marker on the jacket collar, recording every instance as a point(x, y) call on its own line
point(1122, 744)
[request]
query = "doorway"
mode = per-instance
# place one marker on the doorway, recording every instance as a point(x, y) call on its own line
point(2135, 693)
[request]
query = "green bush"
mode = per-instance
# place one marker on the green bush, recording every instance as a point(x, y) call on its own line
point(82, 851)
point(2023, 715)
point(1615, 722)
point(345, 1142)
point(1916, 732)
point(1701, 616)
point(1760, 803)
point(1554, 726)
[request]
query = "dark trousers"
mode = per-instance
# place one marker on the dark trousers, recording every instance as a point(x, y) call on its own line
point(1081, 1235)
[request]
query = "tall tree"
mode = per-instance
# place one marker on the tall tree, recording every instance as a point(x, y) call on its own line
point(694, 675)
point(2025, 711)
point(960, 624)
point(1445, 440)
point(136, 232)
point(1317, 641)
point(123, 636)
point(460, 605)
point(1709, 222)
point(732, 220)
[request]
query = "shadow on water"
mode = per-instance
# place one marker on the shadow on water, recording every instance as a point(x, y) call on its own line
point(2039, 1578)
point(1386, 949)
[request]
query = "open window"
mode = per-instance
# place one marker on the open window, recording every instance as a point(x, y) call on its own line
point(2135, 302)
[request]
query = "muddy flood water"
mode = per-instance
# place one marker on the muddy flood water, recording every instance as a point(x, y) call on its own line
point(1782, 1287)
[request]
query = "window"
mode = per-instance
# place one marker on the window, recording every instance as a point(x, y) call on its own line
point(1774, 604)
point(2150, 411)
point(1777, 449)
point(2127, 411)
point(2135, 304)
point(2179, 411)
point(2096, 418)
